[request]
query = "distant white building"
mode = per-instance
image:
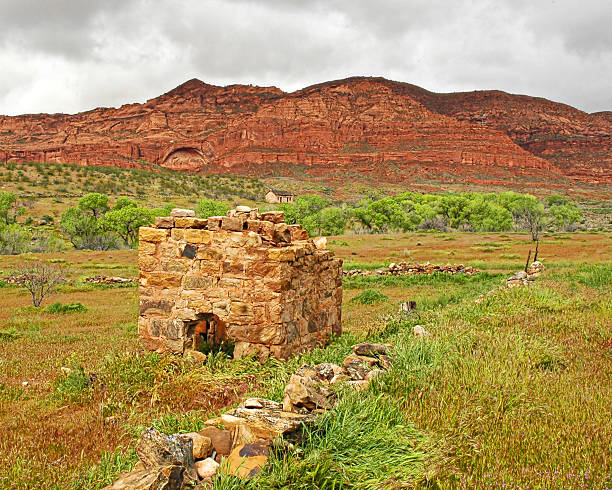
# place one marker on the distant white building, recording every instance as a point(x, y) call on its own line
point(276, 196)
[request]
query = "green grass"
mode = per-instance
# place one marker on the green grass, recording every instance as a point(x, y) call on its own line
point(595, 276)
point(370, 296)
point(64, 309)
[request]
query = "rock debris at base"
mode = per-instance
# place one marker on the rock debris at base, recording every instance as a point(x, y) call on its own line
point(519, 279)
point(239, 442)
point(406, 269)
point(109, 280)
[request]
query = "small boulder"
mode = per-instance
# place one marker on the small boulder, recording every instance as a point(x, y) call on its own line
point(220, 439)
point(156, 478)
point(157, 449)
point(370, 349)
point(419, 331)
point(243, 209)
point(246, 460)
point(202, 445)
point(306, 392)
point(207, 468)
point(320, 242)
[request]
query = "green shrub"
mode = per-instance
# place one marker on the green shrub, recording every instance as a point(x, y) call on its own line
point(66, 308)
point(73, 387)
point(370, 296)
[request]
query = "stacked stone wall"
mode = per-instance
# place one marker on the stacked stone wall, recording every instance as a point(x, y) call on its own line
point(245, 278)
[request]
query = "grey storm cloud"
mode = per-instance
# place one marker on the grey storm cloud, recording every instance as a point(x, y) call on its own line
point(74, 55)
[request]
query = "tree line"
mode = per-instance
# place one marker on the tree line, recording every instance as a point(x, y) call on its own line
point(411, 211)
point(97, 224)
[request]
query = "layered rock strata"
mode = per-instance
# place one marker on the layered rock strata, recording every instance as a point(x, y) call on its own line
point(357, 128)
point(247, 279)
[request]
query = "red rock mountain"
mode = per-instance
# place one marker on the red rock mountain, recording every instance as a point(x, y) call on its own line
point(347, 129)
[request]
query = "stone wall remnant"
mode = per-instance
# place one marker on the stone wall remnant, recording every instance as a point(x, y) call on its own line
point(247, 279)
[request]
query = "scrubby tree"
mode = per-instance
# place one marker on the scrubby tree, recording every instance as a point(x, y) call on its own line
point(126, 218)
point(9, 209)
point(529, 214)
point(565, 216)
point(40, 279)
point(209, 207)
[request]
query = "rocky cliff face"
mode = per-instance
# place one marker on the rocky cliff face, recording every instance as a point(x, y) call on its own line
point(345, 129)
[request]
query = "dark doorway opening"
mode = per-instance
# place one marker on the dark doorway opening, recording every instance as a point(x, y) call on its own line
point(208, 334)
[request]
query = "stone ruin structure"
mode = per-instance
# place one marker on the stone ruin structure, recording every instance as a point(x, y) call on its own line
point(247, 279)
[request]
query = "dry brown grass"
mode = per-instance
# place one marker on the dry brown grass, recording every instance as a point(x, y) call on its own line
point(46, 439)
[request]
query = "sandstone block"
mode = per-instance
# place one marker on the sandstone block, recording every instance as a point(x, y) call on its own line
point(146, 248)
point(232, 223)
point(273, 216)
point(190, 223)
point(246, 460)
point(156, 449)
point(182, 213)
point(193, 235)
point(164, 222)
point(161, 279)
point(282, 254)
point(208, 253)
point(202, 445)
point(214, 223)
point(221, 439)
point(207, 468)
point(146, 234)
point(198, 282)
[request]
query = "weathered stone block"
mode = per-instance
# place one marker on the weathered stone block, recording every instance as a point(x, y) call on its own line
point(281, 254)
point(273, 216)
point(161, 279)
point(198, 236)
point(198, 282)
point(190, 223)
point(232, 223)
point(146, 234)
point(164, 222)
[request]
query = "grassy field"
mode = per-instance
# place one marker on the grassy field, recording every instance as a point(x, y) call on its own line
point(510, 392)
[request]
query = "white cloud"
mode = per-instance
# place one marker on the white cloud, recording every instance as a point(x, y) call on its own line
point(73, 55)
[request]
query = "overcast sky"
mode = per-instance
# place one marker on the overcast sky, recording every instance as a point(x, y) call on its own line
point(74, 55)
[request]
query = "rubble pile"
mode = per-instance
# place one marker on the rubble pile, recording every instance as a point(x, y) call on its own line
point(109, 280)
point(523, 278)
point(404, 268)
point(239, 442)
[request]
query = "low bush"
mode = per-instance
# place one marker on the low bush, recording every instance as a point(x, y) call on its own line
point(66, 308)
point(370, 296)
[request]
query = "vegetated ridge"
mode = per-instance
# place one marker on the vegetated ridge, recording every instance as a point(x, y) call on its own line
point(351, 129)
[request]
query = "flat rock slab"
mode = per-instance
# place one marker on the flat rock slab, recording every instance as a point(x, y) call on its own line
point(246, 460)
point(157, 478)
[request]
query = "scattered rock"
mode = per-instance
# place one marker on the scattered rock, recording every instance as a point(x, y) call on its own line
point(156, 449)
point(109, 280)
point(25, 383)
point(370, 349)
point(374, 374)
point(246, 460)
point(207, 468)
point(305, 392)
point(261, 403)
point(65, 370)
point(202, 445)
point(157, 478)
point(419, 331)
point(404, 268)
point(220, 439)
point(360, 384)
